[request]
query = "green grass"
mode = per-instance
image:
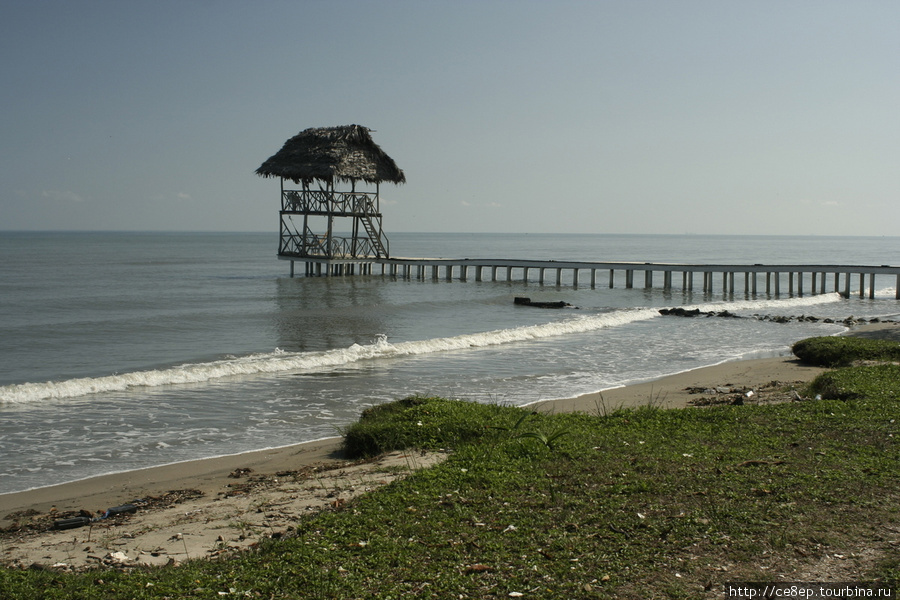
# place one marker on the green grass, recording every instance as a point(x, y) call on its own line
point(842, 351)
point(877, 383)
point(645, 503)
point(424, 423)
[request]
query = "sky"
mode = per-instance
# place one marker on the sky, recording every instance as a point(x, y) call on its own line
point(526, 116)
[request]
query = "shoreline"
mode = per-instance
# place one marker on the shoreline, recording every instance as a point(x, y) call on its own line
point(679, 390)
point(216, 506)
point(206, 475)
point(274, 449)
point(210, 475)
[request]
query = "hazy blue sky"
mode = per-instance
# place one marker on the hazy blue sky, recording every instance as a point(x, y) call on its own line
point(624, 116)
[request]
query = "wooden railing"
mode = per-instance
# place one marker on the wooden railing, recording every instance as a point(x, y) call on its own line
point(357, 205)
point(317, 246)
point(325, 202)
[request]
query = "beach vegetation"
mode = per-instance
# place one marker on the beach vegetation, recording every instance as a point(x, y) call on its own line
point(424, 423)
point(874, 383)
point(628, 503)
point(843, 351)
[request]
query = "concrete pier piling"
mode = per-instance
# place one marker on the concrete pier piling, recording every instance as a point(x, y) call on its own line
point(799, 279)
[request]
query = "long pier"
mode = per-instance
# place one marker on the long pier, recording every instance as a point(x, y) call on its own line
point(751, 279)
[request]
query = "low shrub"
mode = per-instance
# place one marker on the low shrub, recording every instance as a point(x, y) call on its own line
point(878, 382)
point(842, 351)
point(423, 423)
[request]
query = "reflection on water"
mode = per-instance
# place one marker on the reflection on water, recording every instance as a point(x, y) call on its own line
point(319, 313)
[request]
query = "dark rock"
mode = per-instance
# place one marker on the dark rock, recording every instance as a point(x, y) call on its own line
point(522, 301)
point(679, 312)
point(683, 312)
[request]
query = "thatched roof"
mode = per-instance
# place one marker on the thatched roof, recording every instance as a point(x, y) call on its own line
point(344, 153)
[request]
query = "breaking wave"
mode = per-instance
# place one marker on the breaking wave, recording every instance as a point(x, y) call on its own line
point(749, 305)
point(280, 361)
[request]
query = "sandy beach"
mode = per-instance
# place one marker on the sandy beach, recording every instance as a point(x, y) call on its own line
point(207, 507)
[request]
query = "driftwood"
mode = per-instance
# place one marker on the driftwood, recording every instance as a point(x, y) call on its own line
point(522, 301)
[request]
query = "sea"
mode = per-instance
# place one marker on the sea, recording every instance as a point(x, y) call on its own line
point(124, 350)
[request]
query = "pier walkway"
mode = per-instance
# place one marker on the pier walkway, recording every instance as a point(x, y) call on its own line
point(751, 279)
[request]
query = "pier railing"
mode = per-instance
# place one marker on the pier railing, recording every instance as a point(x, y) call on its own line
point(729, 279)
point(773, 280)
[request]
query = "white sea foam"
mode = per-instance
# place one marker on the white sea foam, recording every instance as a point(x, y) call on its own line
point(768, 303)
point(280, 361)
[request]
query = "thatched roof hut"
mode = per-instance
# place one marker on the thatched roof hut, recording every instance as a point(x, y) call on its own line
point(329, 154)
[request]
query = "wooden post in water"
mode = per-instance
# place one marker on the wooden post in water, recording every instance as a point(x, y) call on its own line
point(818, 275)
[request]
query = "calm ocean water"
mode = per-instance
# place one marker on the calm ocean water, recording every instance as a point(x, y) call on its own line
point(127, 350)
